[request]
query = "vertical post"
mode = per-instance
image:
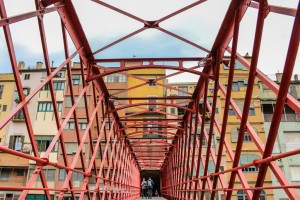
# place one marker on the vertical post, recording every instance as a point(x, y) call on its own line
point(281, 99)
point(201, 134)
point(251, 80)
point(212, 120)
point(228, 95)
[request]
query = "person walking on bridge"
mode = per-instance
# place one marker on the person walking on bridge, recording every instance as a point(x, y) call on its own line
point(150, 184)
point(144, 188)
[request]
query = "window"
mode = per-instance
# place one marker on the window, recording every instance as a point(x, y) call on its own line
point(295, 173)
point(26, 76)
point(76, 79)
point(19, 115)
point(247, 137)
point(106, 125)
point(59, 75)
point(92, 180)
point(72, 147)
point(16, 142)
point(4, 174)
point(70, 126)
point(152, 101)
point(237, 85)
point(184, 88)
point(180, 111)
point(151, 128)
point(248, 158)
point(231, 112)
point(211, 169)
point(77, 176)
point(62, 174)
point(81, 103)
point(20, 172)
point(50, 175)
point(173, 111)
point(4, 108)
point(204, 143)
point(38, 197)
point(292, 140)
point(82, 124)
point(240, 105)
point(9, 195)
point(43, 143)
point(58, 85)
point(26, 91)
point(151, 82)
point(115, 78)
point(1, 91)
point(234, 132)
point(48, 106)
point(251, 111)
point(241, 195)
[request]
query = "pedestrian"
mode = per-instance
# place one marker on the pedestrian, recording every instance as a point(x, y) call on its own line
point(144, 188)
point(156, 193)
point(150, 184)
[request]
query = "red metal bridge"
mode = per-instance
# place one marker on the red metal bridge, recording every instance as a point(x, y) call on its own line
point(178, 155)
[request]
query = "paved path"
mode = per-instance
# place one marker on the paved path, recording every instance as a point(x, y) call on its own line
point(154, 198)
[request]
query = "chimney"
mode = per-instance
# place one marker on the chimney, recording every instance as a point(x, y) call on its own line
point(296, 77)
point(39, 65)
point(76, 65)
point(278, 77)
point(21, 65)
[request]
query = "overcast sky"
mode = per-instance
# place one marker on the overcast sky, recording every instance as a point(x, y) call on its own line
point(103, 26)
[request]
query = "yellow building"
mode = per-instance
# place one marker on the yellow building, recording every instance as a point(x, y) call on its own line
point(151, 89)
point(249, 150)
point(7, 84)
point(190, 87)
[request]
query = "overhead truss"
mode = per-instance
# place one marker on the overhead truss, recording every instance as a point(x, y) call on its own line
point(174, 147)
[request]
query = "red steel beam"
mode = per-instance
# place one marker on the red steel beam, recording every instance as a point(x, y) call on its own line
point(175, 59)
point(276, 9)
point(228, 95)
point(13, 60)
point(21, 17)
point(145, 67)
point(280, 102)
point(250, 85)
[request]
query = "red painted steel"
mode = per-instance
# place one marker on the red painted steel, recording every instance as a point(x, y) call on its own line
point(120, 147)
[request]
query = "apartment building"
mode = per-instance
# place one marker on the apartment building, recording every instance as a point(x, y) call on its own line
point(288, 136)
point(179, 112)
point(250, 151)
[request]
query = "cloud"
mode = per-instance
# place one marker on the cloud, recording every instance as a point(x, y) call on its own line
point(103, 26)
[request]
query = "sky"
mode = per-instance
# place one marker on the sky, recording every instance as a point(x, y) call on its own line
point(103, 26)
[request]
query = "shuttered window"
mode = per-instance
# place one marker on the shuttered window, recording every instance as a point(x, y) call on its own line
point(4, 174)
point(16, 142)
point(173, 111)
point(43, 142)
point(72, 147)
point(295, 173)
point(211, 169)
point(1, 91)
point(81, 103)
point(48, 106)
point(248, 158)
point(234, 132)
point(292, 140)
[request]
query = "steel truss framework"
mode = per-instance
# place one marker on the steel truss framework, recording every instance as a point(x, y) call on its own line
point(179, 153)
